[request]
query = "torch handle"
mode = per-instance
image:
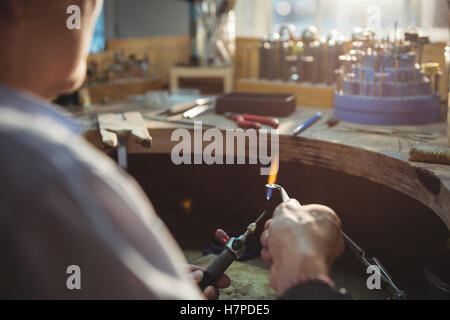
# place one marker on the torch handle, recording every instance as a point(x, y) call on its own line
point(284, 195)
point(217, 268)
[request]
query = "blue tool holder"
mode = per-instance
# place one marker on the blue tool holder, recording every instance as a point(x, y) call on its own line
point(406, 97)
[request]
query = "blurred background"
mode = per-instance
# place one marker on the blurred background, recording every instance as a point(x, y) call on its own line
point(139, 44)
point(146, 18)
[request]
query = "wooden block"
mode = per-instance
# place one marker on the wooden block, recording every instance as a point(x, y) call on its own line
point(226, 73)
point(139, 131)
point(129, 124)
point(307, 94)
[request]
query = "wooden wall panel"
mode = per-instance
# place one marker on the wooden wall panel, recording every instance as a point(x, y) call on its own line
point(164, 52)
point(247, 58)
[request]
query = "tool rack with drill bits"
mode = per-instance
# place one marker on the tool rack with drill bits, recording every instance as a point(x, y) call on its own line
point(385, 83)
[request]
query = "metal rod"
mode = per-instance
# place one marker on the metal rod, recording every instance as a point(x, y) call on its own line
point(396, 75)
point(185, 122)
point(361, 81)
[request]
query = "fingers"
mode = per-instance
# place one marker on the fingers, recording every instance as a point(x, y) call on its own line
point(223, 282)
point(196, 275)
point(266, 256)
point(291, 204)
point(264, 238)
point(211, 293)
point(193, 267)
point(320, 211)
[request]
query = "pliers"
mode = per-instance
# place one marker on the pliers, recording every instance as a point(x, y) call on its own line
point(247, 121)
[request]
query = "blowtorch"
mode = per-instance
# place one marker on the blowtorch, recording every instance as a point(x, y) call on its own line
point(235, 247)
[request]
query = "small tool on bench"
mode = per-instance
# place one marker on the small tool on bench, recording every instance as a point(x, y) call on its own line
point(247, 121)
point(197, 111)
point(307, 124)
point(180, 121)
point(360, 253)
point(332, 122)
point(430, 153)
point(384, 275)
point(183, 107)
point(119, 129)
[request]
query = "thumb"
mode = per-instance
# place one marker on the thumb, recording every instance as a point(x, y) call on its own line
point(196, 275)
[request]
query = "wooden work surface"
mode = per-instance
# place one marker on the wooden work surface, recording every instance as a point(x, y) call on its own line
point(376, 153)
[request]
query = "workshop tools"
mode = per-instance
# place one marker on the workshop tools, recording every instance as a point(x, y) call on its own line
point(235, 246)
point(367, 87)
point(197, 111)
point(361, 82)
point(430, 153)
point(433, 73)
point(381, 76)
point(360, 253)
point(397, 92)
point(370, 262)
point(211, 32)
point(307, 124)
point(350, 77)
point(183, 107)
point(119, 129)
point(263, 104)
point(397, 62)
point(332, 122)
point(303, 58)
point(247, 121)
point(234, 249)
point(122, 156)
point(339, 73)
point(180, 121)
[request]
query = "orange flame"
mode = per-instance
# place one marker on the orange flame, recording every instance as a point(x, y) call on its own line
point(273, 171)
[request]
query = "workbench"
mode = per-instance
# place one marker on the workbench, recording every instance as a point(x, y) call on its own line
point(376, 153)
point(395, 209)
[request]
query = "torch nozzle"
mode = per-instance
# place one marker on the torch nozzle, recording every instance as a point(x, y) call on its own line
point(284, 195)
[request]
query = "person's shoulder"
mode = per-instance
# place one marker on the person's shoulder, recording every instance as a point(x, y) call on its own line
point(38, 152)
point(27, 138)
point(35, 147)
